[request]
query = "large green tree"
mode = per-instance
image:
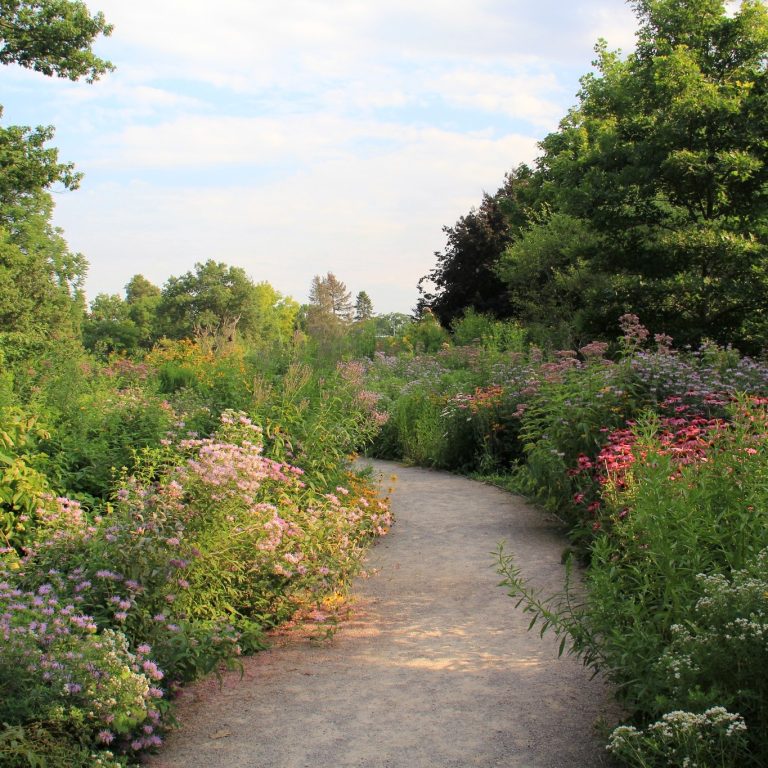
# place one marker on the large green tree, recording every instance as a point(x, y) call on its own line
point(108, 326)
point(40, 280)
point(54, 37)
point(213, 298)
point(662, 171)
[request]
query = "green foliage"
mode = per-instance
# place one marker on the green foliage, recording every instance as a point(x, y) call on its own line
point(426, 335)
point(720, 653)
point(214, 298)
point(37, 746)
point(363, 306)
point(704, 517)
point(109, 328)
point(101, 434)
point(317, 419)
point(492, 334)
point(40, 280)
point(548, 273)
point(649, 198)
point(416, 418)
point(566, 416)
point(23, 487)
point(62, 677)
point(53, 37)
point(28, 166)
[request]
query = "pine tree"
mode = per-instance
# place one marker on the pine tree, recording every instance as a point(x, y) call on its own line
point(363, 307)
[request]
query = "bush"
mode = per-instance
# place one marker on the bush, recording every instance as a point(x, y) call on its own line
point(571, 407)
point(720, 653)
point(714, 739)
point(24, 489)
point(213, 543)
point(59, 674)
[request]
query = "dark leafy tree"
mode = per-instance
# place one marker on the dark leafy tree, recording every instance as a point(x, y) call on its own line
point(465, 276)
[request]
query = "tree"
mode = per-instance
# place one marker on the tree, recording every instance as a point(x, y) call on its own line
point(109, 328)
point(53, 37)
point(329, 295)
point(328, 315)
point(211, 299)
point(40, 280)
point(363, 307)
point(275, 317)
point(465, 276)
point(142, 299)
point(664, 164)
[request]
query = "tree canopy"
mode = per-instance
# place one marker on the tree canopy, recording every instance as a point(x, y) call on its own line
point(208, 299)
point(54, 37)
point(651, 196)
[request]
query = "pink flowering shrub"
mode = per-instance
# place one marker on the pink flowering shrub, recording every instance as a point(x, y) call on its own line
point(198, 562)
point(266, 543)
point(680, 503)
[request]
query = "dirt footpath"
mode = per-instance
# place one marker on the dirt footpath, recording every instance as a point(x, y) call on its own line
point(435, 668)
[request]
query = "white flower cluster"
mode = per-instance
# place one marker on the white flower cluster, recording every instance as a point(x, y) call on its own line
point(680, 738)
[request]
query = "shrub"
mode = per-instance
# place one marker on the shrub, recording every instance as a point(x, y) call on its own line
point(92, 442)
point(24, 489)
point(58, 673)
point(213, 544)
point(571, 406)
point(720, 653)
point(714, 739)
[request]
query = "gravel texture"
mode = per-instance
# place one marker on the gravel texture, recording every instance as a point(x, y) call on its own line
point(434, 668)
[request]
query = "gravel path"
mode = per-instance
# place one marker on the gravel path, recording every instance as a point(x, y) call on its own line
point(434, 669)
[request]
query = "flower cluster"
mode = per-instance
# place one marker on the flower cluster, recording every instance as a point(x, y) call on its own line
point(55, 667)
point(715, 737)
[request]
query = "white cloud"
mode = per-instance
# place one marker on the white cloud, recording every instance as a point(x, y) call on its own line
point(375, 221)
point(521, 96)
point(365, 125)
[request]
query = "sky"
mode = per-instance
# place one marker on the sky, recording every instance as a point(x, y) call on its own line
point(303, 137)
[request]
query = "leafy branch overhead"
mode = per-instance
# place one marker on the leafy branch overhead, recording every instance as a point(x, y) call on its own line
point(53, 37)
